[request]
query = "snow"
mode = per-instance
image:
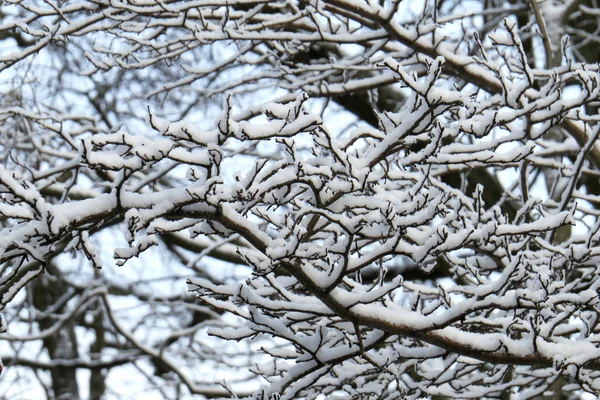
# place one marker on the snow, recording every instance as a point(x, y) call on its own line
point(456, 282)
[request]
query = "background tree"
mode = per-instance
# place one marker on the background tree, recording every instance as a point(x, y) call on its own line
point(366, 199)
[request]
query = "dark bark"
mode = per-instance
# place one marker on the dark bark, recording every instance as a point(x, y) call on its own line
point(97, 377)
point(46, 291)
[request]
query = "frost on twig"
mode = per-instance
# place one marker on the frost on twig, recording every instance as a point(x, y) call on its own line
point(366, 209)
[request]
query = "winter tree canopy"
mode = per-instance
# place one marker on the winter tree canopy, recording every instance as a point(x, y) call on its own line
point(344, 199)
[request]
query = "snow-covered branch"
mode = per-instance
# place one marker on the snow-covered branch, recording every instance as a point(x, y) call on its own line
point(373, 201)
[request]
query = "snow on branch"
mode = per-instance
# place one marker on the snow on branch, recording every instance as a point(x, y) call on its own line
point(445, 244)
